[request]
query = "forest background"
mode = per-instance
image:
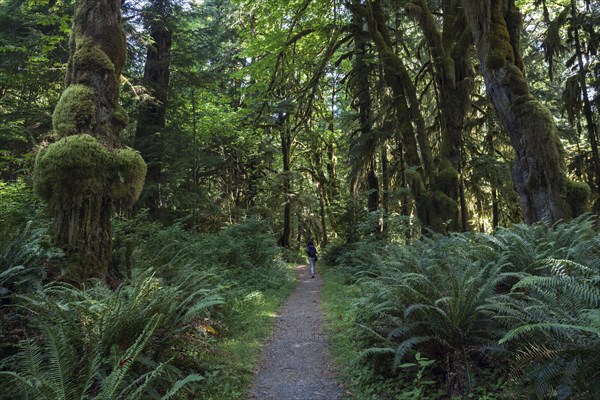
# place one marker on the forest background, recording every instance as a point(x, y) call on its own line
point(362, 125)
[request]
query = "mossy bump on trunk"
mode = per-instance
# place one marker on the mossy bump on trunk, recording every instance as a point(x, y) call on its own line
point(81, 180)
point(78, 166)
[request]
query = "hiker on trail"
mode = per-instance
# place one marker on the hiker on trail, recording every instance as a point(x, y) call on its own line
point(311, 251)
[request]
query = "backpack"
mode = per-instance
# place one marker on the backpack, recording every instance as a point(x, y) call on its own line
point(312, 251)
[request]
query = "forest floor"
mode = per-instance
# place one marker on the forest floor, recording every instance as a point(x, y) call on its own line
point(295, 364)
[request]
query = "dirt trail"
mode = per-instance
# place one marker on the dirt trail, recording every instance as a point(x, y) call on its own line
point(295, 364)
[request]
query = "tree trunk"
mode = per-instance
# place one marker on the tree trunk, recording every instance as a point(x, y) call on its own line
point(363, 93)
point(86, 172)
point(450, 56)
point(373, 188)
point(323, 214)
point(152, 114)
point(587, 107)
point(405, 102)
point(538, 172)
point(286, 148)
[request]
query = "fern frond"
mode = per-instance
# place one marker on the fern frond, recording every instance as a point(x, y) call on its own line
point(123, 364)
point(372, 351)
point(63, 362)
point(547, 326)
point(407, 345)
point(180, 384)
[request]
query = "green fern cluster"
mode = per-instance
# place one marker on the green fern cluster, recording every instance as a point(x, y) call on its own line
point(242, 255)
point(426, 297)
point(522, 303)
point(149, 337)
point(102, 344)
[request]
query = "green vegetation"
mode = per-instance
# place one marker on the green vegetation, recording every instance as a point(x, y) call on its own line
point(218, 136)
point(184, 315)
point(508, 315)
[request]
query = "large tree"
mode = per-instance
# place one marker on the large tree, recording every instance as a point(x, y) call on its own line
point(152, 120)
point(87, 172)
point(545, 192)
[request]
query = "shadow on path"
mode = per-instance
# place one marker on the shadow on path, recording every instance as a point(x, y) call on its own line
point(295, 364)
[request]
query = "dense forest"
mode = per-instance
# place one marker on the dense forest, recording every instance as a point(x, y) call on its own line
point(163, 163)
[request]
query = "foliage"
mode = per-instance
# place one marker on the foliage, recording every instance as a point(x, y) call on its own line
point(158, 332)
point(34, 39)
point(244, 255)
point(519, 304)
point(549, 316)
point(86, 343)
point(19, 206)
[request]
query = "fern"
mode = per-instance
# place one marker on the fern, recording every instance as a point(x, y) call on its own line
point(180, 384)
point(562, 310)
point(123, 364)
point(478, 301)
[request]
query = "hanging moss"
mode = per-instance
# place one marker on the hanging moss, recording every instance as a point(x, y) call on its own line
point(131, 170)
point(578, 195)
point(89, 57)
point(75, 111)
point(74, 167)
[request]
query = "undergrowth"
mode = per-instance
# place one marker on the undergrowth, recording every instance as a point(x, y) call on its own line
point(184, 316)
point(508, 315)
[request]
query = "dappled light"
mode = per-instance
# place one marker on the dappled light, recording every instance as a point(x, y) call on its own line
point(309, 199)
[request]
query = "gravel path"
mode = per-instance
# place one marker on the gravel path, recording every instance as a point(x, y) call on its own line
point(295, 362)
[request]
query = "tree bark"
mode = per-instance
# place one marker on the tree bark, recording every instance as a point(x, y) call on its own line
point(86, 172)
point(152, 113)
point(286, 148)
point(538, 172)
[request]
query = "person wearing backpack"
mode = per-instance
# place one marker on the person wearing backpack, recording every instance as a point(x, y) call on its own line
point(311, 251)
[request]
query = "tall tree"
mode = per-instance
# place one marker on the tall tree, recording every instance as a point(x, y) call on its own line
point(433, 206)
point(158, 18)
point(87, 172)
point(449, 46)
point(538, 171)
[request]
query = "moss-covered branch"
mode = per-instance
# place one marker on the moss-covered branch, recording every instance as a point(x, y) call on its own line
point(545, 192)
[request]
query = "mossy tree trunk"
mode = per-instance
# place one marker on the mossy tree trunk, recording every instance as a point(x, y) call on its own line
point(428, 185)
point(152, 114)
point(538, 174)
point(587, 106)
point(286, 152)
point(451, 59)
point(367, 139)
point(86, 173)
